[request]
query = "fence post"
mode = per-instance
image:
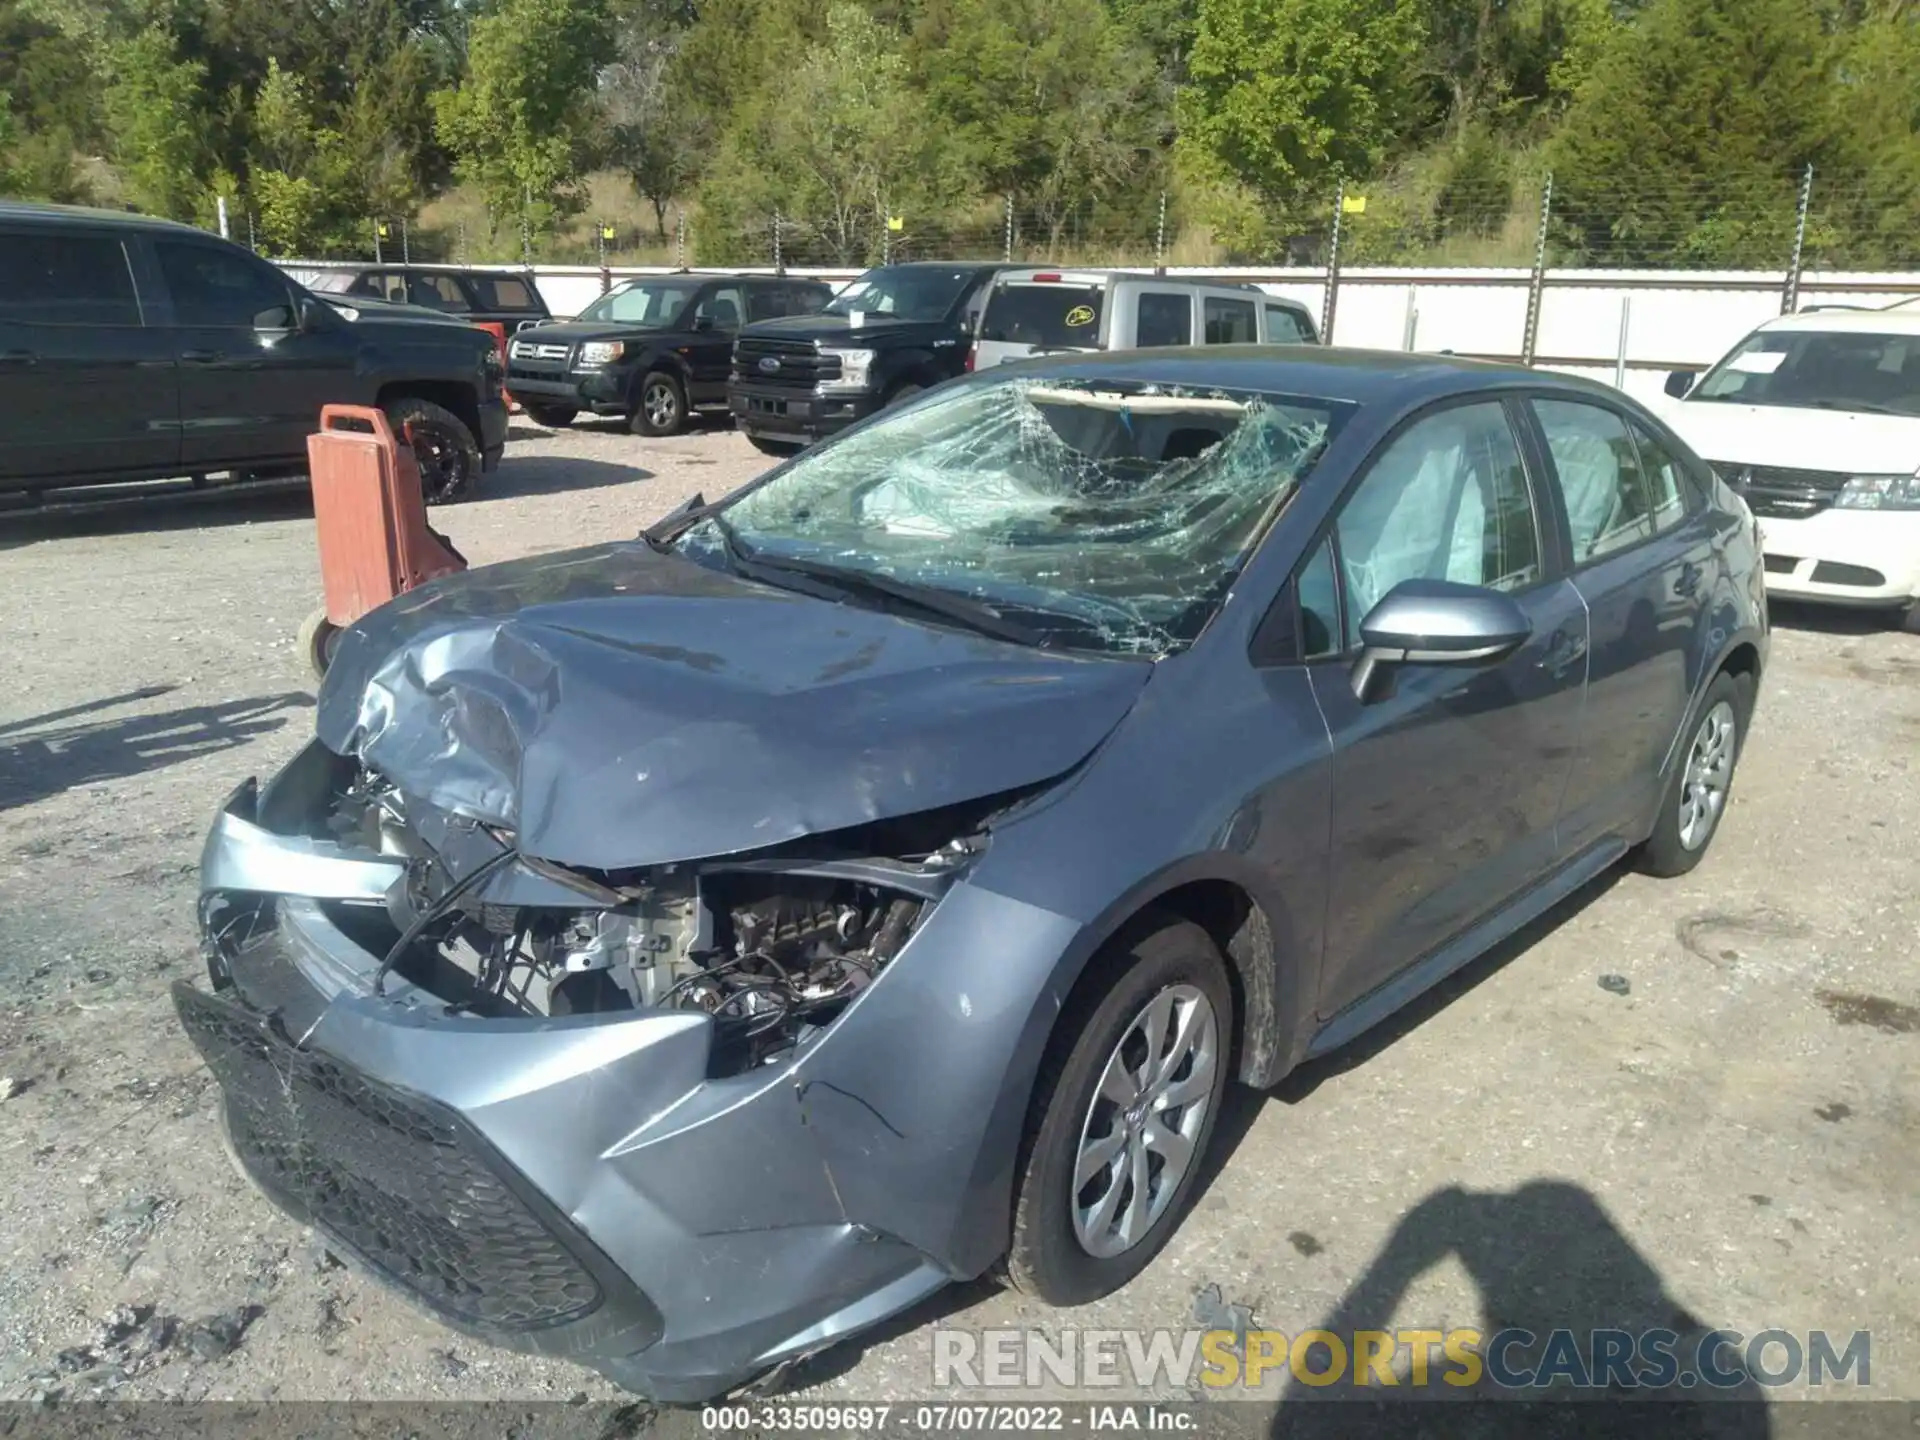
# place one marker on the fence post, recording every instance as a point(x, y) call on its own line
point(1620, 358)
point(779, 263)
point(377, 256)
point(406, 243)
point(1333, 265)
point(526, 225)
point(1790, 297)
point(252, 243)
point(1160, 239)
point(460, 242)
point(1413, 318)
point(680, 241)
point(1009, 246)
point(1537, 283)
point(601, 232)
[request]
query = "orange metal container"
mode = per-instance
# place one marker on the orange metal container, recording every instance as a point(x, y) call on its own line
point(371, 519)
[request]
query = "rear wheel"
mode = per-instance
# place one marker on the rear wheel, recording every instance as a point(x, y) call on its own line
point(550, 417)
point(1702, 784)
point(1121, 1116)
point(443, 447)
point(660, 406)
point(768, 446)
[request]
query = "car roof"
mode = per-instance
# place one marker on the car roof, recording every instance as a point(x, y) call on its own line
point(35, 213)
point(1320, 372)
point(1021, 274)
point(1901, 319)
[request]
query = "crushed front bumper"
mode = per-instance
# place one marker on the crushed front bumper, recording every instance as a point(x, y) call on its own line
point(584, 1187)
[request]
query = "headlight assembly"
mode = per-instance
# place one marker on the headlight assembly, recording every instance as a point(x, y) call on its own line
point(598, 354)
point(1880, 492)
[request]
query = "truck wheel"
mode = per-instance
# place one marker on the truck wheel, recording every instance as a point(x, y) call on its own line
point(769, 446)
point(551, 417)
point(319, 638)
point(905, 390)
point(660, 407)
point(444, 448)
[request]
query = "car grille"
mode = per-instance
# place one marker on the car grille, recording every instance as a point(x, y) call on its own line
point(1779, 494)
point(400, 1181)
point(536, 360)
point(782, 362)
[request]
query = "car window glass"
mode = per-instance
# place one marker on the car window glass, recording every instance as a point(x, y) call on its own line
point(808, 299)
point(213, 286)
point(767, 302)
point(1286, 327)
point(436, 292)
point(1164, 319)
point(49, 279)
point(1446, 500)
point(1666, 478)
point(1599, 473)
point(1230, 322)
point(502, 292)
point(723, 307)
point(1045, 314)
point(1319, 592)
point(373, 286)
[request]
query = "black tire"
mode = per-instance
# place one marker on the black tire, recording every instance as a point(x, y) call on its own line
point(659, 405)
point(1910, 619)
point(1674, 847)
point(319, 638)
point(443, 447)
point(1047, 1257)
point(550, 417)
point(767, 446)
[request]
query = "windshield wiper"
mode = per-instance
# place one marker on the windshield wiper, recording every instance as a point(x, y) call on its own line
point(962, 610)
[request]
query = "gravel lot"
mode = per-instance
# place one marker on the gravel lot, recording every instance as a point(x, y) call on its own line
point(1695, 1099)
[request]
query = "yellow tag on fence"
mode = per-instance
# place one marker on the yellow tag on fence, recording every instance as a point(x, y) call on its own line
point(896, 223)
point(1354, 204)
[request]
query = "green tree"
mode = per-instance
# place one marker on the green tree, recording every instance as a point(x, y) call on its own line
point(1868, 209)
point(519, 122)
point(652, 134)
point(1287, 96)
point(160, 131)
point(1050, 101)
point(1685, 141)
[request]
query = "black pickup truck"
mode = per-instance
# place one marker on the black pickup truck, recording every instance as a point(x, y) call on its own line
point(654, 350)
point(892, 333)
point(134, 349)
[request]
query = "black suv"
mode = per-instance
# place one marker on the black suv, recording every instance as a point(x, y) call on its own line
point(891, 333)
point(137, 349)
point(653, 350)
point(504, 297)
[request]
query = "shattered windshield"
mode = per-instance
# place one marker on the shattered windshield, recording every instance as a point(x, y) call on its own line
point(905, 292)
point(1100, 516)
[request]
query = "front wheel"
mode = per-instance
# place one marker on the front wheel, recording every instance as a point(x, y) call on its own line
point(661, 406)
point(443, 448)
point(1702, 784)
point(1121, 1116)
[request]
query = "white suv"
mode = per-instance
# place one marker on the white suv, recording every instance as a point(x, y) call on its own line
point(1815, 420)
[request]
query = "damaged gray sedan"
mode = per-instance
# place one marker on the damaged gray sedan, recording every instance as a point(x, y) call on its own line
point(681, 954)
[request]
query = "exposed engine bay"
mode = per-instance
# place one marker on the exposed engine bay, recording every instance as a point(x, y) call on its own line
point(771, 955)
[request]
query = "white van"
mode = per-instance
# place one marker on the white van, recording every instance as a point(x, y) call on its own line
point(1039, 312)
point(1815, 419)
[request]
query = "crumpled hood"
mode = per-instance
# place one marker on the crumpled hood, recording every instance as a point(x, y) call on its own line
point(1798, 439)
point(618, 708)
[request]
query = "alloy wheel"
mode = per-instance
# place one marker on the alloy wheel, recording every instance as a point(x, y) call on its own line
point(660, 403)
point(1143, 1128)
point(1703, 791)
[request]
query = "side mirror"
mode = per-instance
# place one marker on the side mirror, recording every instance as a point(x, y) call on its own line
point(1679, 382)
point(1437, 622)
point(277, 319)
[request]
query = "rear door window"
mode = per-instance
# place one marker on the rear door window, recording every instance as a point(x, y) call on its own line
point(1166, 318)
point(502, 292)
point(1600, 480)
point(66, 279)
point(437, 292)
point(1045, 316)
point(1230, 322)
point(1286, 326)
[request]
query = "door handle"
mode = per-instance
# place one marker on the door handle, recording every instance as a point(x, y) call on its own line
point(202, 357)
point(1688, 580)
point(19, 357)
